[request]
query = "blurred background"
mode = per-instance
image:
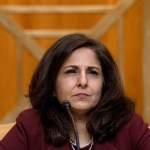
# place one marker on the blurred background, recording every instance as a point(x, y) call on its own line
point(29, 27)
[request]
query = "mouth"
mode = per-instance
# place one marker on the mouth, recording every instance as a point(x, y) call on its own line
point(82, 95)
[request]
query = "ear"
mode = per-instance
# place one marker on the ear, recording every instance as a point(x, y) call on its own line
point(54, 95)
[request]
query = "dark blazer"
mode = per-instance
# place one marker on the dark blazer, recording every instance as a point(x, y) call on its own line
point(28, 134)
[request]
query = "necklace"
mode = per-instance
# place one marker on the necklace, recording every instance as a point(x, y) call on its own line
point(74, 144)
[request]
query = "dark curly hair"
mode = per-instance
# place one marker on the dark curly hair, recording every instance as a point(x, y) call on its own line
point(105, 119)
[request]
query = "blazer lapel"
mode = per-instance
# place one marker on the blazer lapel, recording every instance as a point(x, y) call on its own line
point(64, 147)
point(97, 146)
point(104, 146)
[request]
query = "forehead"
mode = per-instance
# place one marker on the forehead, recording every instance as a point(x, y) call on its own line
point(82, 56)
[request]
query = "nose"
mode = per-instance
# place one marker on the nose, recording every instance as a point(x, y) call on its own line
point(82, 80)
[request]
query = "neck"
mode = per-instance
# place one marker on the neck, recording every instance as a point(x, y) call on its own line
point(84, 137)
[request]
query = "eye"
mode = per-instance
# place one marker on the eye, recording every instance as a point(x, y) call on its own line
point(71, 71)
point(92, 72)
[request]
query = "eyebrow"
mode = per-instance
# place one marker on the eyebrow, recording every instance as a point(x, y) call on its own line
point(89, 67)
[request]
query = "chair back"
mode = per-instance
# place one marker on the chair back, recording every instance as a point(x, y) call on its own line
point(4, 128)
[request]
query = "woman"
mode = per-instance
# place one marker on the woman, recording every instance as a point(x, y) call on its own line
point(82, 71)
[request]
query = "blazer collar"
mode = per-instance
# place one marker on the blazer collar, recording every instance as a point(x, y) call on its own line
point(97, 146)
point(104, 146)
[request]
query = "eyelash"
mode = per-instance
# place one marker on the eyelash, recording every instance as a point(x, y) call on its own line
point(73, 71)
point(93, 72)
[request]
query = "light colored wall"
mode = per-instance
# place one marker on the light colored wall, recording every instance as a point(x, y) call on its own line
point(146, 60)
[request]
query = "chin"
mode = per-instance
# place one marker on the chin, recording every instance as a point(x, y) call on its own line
point(81, 109)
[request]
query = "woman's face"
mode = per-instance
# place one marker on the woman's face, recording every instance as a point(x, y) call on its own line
point(80, 80)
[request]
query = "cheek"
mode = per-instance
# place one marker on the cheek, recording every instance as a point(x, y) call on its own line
point(64, 89)
point(59, 90)
point(98, 89)
point(98, 93)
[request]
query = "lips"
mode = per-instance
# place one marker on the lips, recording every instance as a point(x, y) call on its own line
point(82, 95)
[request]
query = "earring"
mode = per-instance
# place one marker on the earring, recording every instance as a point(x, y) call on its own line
point(54, 95)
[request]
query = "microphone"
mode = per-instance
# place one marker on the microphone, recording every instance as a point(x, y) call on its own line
point(66, 104)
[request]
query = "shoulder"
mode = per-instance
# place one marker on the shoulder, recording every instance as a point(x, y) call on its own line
point(27, 131)
point(30, 119)
point(136, 119)
point(28, 114)
point(133, 134)
point(136, 125)
point(139, 132)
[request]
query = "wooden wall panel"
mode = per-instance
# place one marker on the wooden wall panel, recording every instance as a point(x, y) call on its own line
point(57, 21)
point(110, 40)
point(55, 2)
point(132, 45)
point(7, 72)
point(133, 41)
point(29, 65)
